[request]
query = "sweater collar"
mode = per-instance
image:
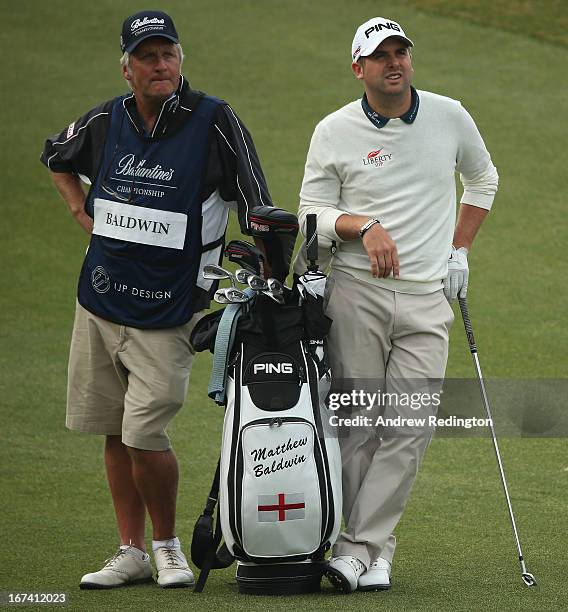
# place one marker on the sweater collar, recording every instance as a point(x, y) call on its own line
point(379, 121)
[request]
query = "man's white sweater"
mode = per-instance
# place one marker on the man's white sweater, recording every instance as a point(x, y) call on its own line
point(403, 175)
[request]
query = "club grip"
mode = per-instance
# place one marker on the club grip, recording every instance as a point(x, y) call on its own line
point(311, 242)
point(467, 324)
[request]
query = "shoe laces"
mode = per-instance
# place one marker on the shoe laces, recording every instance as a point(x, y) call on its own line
point(117, 555)
point(173, 558)
point(356, 564)
point(378, 563)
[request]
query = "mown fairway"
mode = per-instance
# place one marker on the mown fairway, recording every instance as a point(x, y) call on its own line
point(283, 66)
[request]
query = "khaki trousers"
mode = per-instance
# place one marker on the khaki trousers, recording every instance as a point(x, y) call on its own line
point(382, 335)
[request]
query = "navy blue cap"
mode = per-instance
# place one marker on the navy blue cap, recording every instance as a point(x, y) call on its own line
point(143, 25)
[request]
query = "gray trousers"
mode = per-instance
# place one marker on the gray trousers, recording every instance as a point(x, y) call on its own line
point(379, 334)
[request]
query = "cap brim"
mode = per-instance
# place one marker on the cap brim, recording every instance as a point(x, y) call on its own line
point(371, 48)
point(134, 44)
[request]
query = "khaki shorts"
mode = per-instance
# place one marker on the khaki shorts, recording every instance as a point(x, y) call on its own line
point(125, 381)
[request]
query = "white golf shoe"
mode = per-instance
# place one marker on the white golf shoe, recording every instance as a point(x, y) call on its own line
point(173, 570)
point(377, 577)
point(343, 572)
point(128, 565)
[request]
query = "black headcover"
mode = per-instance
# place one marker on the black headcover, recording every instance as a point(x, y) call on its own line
point(278, 229)
point(246, 255)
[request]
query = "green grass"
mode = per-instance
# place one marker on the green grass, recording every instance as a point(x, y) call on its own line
point(283, 66)
point(545, 20)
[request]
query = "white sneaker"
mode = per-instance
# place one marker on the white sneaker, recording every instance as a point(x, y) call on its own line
point(127, 566)
point(173, 570)
point(377, 577)
point(343, 572)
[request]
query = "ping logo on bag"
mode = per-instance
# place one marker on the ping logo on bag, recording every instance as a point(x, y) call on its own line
point(274, 380)
point(273, 368)
point(268, 367)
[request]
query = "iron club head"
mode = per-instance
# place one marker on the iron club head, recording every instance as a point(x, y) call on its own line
point(528, 579)
point(213, 272)
point(277, 297)
point(221, 296)
point(242, 276)
point(275, 286)
point(236, 296)
point(256, 283)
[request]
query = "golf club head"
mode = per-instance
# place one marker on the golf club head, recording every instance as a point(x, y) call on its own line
point(213, 272)
point(256, 283)
point(236, 296)
point(275, 286)
point(528, 579)
point(277, 297)
point(242, 275)
point(247, 255)
point(278, 229)
point(221, 296)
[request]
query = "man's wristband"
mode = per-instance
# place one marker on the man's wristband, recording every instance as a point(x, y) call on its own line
point(367, 226)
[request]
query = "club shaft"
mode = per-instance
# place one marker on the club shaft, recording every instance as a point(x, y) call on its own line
point(497, 452)
point(473, 349)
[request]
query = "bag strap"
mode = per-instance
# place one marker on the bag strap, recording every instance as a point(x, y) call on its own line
point(213, 496)
point(211, 556)
point(224, 340)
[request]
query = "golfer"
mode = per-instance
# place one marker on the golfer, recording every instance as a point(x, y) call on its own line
point(164, 164)
point(380, 177)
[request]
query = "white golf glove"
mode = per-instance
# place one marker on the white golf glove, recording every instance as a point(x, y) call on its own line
point(455, 282)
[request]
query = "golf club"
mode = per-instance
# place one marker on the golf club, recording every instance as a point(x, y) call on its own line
point(243, 275)
point(277, 297)
point(221, 296)
point(230, 296)
point(312, 242)
point(275, 286)
point(236, 296)
point(213, 272)
point(256, 283)
point(246, 255)
point(527, 577)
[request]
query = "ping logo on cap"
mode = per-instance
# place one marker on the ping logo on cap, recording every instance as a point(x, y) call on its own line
point(389, 25)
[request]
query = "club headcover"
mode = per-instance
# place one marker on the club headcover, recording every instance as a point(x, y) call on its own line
point(246, 255)
point(278, 229)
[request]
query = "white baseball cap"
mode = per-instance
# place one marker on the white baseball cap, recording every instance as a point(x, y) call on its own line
point(371, 34)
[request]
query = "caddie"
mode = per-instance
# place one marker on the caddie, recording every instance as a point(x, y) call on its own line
point(379, 176)
point(164, 163)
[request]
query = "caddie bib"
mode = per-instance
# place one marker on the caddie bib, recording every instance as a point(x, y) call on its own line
point(142, 263)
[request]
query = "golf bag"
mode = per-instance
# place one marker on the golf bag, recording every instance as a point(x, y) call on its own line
point(278, 481)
